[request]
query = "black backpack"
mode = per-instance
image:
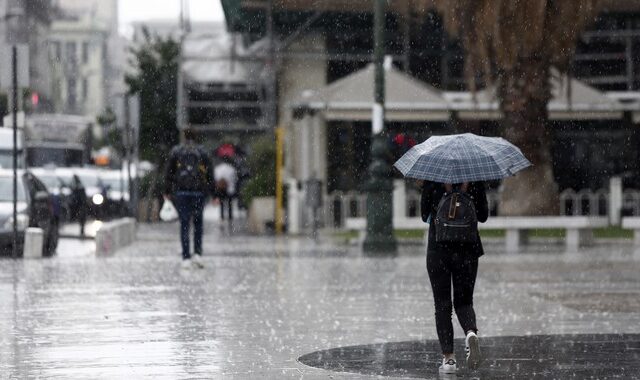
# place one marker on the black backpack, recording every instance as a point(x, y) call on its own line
point(190, 169)
point(456, 219)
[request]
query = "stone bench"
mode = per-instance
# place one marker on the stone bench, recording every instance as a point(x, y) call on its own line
point(579, 229)
point(633, 223)
point(114, 235)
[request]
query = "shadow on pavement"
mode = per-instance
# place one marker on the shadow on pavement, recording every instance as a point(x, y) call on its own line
point(590, 356)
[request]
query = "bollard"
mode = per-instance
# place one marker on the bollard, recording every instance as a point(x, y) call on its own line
point(33, 243)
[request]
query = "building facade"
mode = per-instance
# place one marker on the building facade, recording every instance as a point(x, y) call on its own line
point(319, 43)
point(85, 56)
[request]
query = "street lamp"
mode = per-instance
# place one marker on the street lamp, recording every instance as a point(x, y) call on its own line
point(380, 237)
point(15, 12)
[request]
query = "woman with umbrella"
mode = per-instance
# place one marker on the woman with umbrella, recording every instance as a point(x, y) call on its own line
point(453, 169)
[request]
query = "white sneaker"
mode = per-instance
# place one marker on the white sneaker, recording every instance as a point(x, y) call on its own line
point(472, 349)
point(197, 261)
point(448, 366)
point(186, 264)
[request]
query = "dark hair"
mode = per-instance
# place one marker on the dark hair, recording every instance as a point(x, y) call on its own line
point(189, 134)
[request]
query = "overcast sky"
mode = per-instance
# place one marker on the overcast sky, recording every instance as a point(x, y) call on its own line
point(144, 10)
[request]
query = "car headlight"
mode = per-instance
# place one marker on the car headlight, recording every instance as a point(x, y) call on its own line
point(23, 222)
point(97, 199)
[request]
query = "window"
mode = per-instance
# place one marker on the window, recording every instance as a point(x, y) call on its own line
point(85, 88)
point(72, 94)
point(55, 50)
point(85, 52)
point(71, 53)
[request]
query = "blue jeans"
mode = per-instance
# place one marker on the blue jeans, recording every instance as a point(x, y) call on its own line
point(190, 204)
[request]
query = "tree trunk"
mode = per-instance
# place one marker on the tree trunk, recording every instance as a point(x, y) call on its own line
point(524, 92)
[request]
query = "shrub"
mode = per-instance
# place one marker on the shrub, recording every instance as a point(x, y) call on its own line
point(262, 163)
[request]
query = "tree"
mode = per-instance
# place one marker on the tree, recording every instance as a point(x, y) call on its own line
point(514, 44)
point(155, 80)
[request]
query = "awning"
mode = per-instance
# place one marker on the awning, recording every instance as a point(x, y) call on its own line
point(352, 98)
point(576, 102)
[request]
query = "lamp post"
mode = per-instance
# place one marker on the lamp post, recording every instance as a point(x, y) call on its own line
point(11, 35)
point(379, 187)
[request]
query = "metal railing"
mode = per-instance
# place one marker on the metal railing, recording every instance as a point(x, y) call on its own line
point(352, 204)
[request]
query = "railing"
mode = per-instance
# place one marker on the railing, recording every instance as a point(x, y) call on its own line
point(352, 204)
point(584, 202)
point(341, 205)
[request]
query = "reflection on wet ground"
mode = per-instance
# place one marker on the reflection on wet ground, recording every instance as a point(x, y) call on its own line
point(261, 303)
point(592, 356)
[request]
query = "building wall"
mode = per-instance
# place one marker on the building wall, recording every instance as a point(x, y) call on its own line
point(296, 75)
point(93, 74)
point(78, 51)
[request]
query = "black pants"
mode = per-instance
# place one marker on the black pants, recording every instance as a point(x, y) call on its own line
point(190, 205)
point(449, 265)
point(225, 202)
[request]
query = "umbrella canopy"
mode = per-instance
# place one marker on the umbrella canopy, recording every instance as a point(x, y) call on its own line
point(462, 158)
point(226, 150)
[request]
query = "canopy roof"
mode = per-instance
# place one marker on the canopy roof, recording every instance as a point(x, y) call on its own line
point(408, 99)
point(571, 99)
point(352, 97)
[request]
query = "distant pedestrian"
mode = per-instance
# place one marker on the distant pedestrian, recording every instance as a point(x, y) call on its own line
point(452, 258)
point(226, 179)
point(188, 181)
point(78, 202)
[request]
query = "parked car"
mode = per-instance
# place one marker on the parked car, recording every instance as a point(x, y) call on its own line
point(35, 209)
point(59, 189)
point(93, 188)
point(116, 185)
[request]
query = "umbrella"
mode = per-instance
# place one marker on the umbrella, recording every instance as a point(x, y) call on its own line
point(226, 150)
point(462, 158)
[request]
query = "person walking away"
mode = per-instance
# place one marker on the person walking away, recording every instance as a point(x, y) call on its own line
point(226, 179)
point(188, 180)
point(78, 202)
point(452, 259)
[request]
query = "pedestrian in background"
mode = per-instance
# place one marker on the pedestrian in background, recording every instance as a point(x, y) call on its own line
point(226, 180)
point(188, 182)
point(78, 202)
point(454, 262)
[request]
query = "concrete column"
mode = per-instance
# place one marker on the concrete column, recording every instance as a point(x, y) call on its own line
point(293, 207)
point(513, 239)
point(636, 239)
point(305, 148)
point(615, 200)
point(399, 199)
point(578, 237)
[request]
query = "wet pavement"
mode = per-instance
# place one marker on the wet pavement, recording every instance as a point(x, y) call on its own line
point(266, 308)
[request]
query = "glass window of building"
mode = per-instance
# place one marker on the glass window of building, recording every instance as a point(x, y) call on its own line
point(85, 52)
point(55, 50)
point(71, 52)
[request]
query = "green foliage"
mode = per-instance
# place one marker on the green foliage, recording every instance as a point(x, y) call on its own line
point(156, 63)
point(262, 163)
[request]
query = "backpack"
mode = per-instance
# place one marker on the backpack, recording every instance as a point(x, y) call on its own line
point(456, 219)
point(190, 169)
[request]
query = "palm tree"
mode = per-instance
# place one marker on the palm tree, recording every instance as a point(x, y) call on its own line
point(514, 44)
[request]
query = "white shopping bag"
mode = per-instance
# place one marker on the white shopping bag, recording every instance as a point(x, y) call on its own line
point(168, 212)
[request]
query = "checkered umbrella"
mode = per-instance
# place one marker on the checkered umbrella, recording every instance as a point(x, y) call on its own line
point(462, 158)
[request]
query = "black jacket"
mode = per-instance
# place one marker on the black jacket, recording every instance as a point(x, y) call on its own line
point(432, 192)
point(170, 186)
